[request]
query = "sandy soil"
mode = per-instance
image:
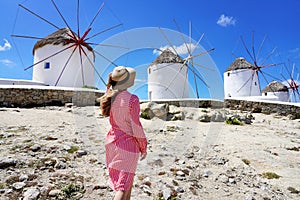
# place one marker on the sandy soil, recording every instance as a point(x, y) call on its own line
point(187, 159)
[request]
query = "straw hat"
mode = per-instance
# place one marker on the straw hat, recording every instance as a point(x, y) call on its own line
point(122, 78)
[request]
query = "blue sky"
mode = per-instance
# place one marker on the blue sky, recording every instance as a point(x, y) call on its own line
point(222, 22)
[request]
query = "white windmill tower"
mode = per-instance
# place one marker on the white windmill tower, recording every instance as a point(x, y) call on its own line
point(241, 77)
point(168, 73)
point(241, 80)
point(277, 90)
point(62, 69)
point(165, 67)
point(65, 57)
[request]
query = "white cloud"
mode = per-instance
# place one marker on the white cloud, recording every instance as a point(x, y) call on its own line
point(295, 53)
point(7, 62)
point(140, 80)
point(288, 82)
point(226, 21)
point(296, 50)
point(181, 49)
point(6, 46)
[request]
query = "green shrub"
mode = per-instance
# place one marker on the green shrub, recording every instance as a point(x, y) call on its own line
point(71, 189)
point(270, 175)
point(145, 115)
point(162, 198)
point(73, 149)
point(233, 121)
point(90, 87)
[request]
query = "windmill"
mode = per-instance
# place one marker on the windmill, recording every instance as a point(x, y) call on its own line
point(292, 84)
point(69, 46)
point(244, 81)
point(170, 74)
point(276, 91)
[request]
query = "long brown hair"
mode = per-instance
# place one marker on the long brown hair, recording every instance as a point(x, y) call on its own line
point(108, 98)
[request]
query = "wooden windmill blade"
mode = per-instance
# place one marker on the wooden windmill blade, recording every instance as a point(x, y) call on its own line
point(173, 79)
point(75, 41)
point(107, 45)
point(292, 83)
point(256, 66)
point(247, 50)
point(193, 64)
point(26, 36)
point(203, 67)
point(294, 87)
point(189, 60)
point(38, 16)
point(270, 86)
point(169, 42)
point(250, 79)
point(167, 65)
point(65, 65)
point(173, 48)
point(183, 39)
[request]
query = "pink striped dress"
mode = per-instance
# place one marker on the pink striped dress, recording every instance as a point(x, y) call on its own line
point(124, 141)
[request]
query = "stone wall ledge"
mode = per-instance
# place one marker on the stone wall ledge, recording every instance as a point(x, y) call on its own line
point(189, 102)
point(263, 106)
point(26, 96)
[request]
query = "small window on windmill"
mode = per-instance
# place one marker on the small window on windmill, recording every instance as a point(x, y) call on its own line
point(47, 65)
point(255, 83)
point(228, 74)
point(149, 70)
point(266, 94)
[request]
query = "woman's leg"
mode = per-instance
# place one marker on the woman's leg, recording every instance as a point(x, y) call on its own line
point(123, 195)
point(120, 195)
point(128, 194)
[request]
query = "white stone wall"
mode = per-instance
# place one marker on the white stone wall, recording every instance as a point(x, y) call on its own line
point(72, 76)
point(239, 83)
point(281, 96)
point(4, 81)
point(167, 81)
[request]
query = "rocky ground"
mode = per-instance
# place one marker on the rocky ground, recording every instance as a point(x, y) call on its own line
point(58, 153)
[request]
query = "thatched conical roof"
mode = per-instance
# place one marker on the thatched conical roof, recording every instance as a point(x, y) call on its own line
point(239, 63)
point(60, 36)
point(275, 86)
point(167, 56)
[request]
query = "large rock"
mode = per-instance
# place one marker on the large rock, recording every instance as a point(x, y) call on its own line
point(54, 193)
point(175, 113)
point(7, 162)
point(177, 116)
point(18, 185)
point(151, 109)
point(160, 110)
point(218, 116)
point(204, 117)
point(242, 117)
point(31, 194)
point(174, 109)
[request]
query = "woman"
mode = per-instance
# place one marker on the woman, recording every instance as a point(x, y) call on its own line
point(126, 140)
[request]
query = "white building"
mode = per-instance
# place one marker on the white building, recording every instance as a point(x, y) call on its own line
point(6, 81)
point(63, 69)
point(167, 77)
point(241, 80)
point(276, 90)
